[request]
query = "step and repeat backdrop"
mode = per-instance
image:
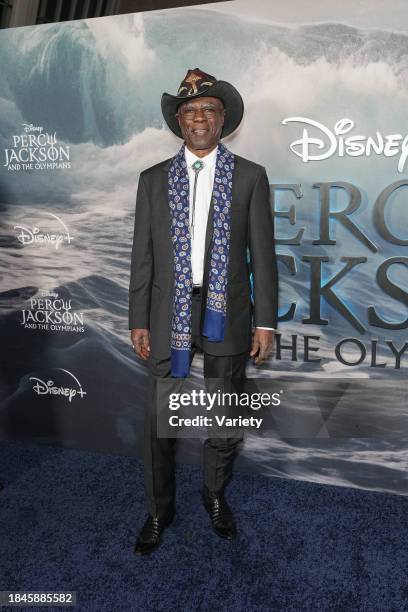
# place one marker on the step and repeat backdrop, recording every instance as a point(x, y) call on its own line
point(326, 101)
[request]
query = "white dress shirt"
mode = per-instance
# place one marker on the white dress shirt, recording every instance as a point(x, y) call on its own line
point(205, 183)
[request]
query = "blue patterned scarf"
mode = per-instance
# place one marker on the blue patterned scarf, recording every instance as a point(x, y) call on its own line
point(216, 306)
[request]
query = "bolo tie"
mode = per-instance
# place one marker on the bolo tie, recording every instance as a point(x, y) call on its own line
point(197, 166)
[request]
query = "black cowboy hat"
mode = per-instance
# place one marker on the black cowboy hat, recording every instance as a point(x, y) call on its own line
point(197, 84)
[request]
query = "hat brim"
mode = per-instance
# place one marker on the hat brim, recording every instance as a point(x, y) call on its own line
point(231, 98)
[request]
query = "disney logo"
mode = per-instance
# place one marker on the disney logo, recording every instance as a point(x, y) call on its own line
point(34, 235)
point(42, 387)
point(48, 293)
point(30, 127)
point(334, 141)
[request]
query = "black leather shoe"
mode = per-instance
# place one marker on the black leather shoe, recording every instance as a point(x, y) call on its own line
point(150, 534)
point(220, 513)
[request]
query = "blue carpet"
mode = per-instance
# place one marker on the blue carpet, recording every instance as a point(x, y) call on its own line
point(68, 521)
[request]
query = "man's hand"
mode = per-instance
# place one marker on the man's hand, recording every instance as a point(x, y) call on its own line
point(141, 342)
point(262, 344)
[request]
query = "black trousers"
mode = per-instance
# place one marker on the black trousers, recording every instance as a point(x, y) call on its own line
point(159, 453)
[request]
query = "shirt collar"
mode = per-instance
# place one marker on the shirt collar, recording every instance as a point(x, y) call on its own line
point(209, 160)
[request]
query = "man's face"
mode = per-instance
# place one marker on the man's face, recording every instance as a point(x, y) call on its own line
point(201, 122)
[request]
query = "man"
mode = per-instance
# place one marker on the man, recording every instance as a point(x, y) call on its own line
point(197, 216)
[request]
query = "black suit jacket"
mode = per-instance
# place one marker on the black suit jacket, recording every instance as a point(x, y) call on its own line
point(152, 280)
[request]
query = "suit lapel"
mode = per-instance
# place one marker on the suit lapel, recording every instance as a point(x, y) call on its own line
point(165, 196)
